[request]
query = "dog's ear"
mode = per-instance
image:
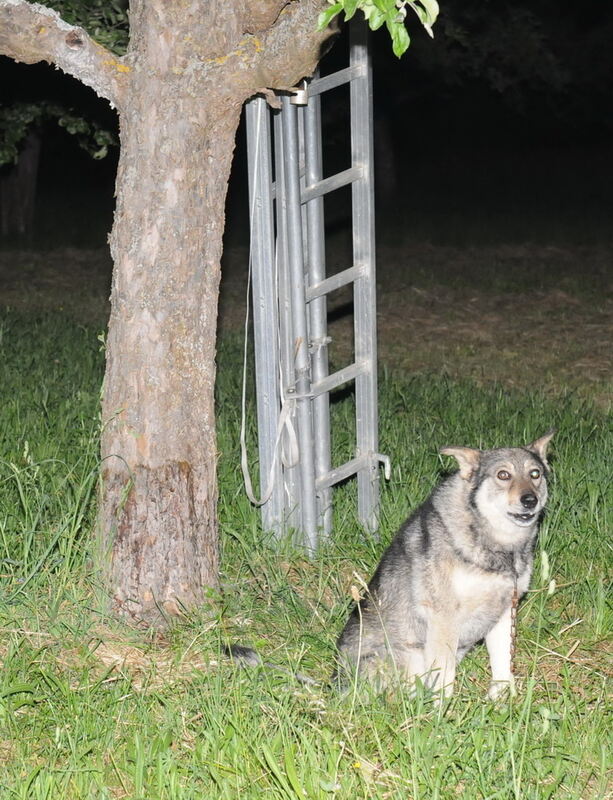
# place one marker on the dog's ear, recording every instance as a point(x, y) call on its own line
point(539, 446)
point(467, 458)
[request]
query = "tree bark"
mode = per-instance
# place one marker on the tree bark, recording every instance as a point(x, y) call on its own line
point(158, 515)
point(179, 91)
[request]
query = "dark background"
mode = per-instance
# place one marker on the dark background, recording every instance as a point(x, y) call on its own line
point(497, 130)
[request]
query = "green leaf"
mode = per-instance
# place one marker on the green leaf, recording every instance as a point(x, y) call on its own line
point(351, 6)
point(427, 11)
point(432, 10)
point(17, 688)
point(400, 39)
point(329, 786)
point(375, 19)
point(275, 771)
point(326, 17)
point(290, 771)
point(386, 6)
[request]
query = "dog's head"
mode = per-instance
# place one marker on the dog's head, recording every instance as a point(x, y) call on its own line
point(508, 486)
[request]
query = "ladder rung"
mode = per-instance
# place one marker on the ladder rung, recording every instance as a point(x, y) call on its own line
point(333, 282)
point(338, 378)
point(320, 85)
point(330, 184)
point(343, 472)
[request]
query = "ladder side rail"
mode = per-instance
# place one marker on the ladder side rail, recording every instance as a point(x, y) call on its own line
point(263, 292)
point(299, 336)
point(365, 287)
point(318, 315)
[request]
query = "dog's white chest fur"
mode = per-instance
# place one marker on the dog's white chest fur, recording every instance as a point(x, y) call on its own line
point(480, 599)
point(474, 587)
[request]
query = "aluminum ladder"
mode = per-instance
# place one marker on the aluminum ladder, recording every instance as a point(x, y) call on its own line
point(289, 290)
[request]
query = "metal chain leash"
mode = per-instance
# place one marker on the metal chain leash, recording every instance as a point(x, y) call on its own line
point(514, 604)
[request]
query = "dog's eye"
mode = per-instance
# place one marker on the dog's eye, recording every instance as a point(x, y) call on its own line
point(535, 473)
point(503, 475)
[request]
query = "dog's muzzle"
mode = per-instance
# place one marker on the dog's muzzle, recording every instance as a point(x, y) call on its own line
point(528, 500)
point(523, 519)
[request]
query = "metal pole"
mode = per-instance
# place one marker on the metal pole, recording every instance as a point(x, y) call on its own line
point(364, 291)
point(291, 472)
point(318, 314)
point(299, 319)
point(265, 318)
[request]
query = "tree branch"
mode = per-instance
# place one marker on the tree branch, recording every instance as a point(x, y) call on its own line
point(292, 47)
point(261, 14)
point(276, 58)
point(30, 32)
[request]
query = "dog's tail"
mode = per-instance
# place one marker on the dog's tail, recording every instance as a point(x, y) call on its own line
point(247, 657)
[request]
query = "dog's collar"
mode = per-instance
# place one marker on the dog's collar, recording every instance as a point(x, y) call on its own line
point(506, 562)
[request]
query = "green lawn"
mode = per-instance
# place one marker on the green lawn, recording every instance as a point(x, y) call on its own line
point(91, 709)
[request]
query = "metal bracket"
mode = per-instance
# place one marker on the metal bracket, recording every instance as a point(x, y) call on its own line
point(300, 94)
point(317, 344)
point(385, 463)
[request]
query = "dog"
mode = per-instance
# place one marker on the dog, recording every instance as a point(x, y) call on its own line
point(450, 575)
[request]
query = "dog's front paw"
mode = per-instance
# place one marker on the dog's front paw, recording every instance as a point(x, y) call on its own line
point(500, 689)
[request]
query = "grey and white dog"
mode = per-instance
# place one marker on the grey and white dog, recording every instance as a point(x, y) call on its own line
point(448, 578)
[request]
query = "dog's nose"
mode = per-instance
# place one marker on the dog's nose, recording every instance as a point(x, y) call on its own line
point(528, 500)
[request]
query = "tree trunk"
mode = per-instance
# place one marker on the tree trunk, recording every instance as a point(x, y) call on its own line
point(178, 121)
point(18, 190)
point(179, 90)
point(158, 515)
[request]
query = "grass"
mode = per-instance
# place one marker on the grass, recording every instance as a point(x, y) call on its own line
point(91, 709)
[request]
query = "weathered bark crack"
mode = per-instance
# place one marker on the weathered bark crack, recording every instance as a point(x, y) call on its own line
point(161, 518)
point(261, 14)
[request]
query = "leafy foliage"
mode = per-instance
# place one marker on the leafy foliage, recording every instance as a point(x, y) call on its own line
point(16, 121)
point(105, 20)
point(392, 13)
